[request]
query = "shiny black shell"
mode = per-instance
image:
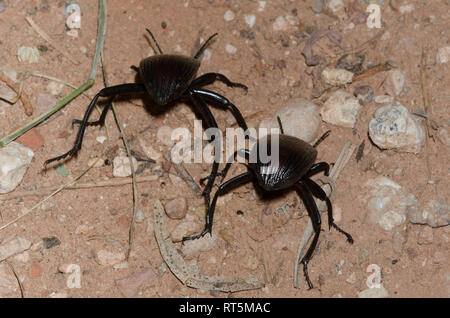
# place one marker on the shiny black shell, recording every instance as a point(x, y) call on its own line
point(166, 77)
point(295, 158)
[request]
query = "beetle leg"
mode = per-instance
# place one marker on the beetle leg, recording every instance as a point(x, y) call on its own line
point(101, 120)
point(223, 188)
point(209, 78)
point(318, 192)
point(206, 114)
point(318, 167)
point(106, 92)
point(314, 214)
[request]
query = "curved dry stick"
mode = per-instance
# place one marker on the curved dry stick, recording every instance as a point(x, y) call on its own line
point(328, 187)
point(184, 272)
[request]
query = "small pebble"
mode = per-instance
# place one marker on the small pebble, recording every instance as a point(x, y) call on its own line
point(387, 202)
point(299, 117)
point(443, 136)
point(436, 213)
point(51, 241)
point(364, 94)
point(383, 99)
point(193, 248)
point(341, 109)
point(336, 76)
point(106, 258)
point(230, 49)
point(176, 208)
point(443, 55)
point(229, 16)
point(352, 278)
point(280, 24)
point(14, 162)
point(394, 127)
point(374, 293)
point(28, 54)
point(335, 5)
point(121, 166)
point(250, 19)
point(164, 135)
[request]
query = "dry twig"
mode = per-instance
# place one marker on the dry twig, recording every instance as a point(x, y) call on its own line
point(20, 94)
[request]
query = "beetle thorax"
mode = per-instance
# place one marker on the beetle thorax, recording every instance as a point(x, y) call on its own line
point(167, 77)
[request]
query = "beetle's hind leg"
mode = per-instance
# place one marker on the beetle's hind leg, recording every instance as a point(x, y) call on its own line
point(314, 214)
point(102, 118)
point(318, 192)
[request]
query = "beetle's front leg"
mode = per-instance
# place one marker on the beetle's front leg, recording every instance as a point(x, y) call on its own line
point(106, 92)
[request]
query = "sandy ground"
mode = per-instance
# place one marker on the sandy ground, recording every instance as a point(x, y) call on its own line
point(90, 223)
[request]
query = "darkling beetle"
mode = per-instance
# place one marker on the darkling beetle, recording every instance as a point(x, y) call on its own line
point(167, 78)
point(295, 168)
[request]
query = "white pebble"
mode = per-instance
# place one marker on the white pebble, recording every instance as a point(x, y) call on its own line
point(299, 118)
point(341, 109)
point(101, 139)
point(14, 161)
point(336, 76)
point(106, 258)
point(206, 243)
point(374, 293)
point(335, 5)
point(121, 166)
point(436, 213)
point(230, 49)
point(387, 202)
point(28, 54)
point(394, 127)
point(250, 19)
point(261, 5)
point(383, 99)
point(229, 16)
point(280, 24)
point(164, 135)
point(443, 55)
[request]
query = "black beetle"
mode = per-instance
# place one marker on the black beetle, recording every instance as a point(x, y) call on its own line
point(295, 166)
point(167, 78)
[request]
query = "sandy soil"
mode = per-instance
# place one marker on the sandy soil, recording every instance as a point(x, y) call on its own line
point(90, 221)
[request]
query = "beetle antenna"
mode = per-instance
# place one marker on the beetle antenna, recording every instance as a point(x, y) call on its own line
point(154, 41)
point(325, 135)
point(200, 51)
point(279, 124)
